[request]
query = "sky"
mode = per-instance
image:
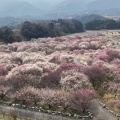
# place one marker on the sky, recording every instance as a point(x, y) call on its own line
point(47, 1)
point(50, 3)
point(55, 1)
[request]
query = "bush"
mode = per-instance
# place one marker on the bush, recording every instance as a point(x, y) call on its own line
point(97, 74)
point(6, 34)
point(102, 24)
point(113, 54)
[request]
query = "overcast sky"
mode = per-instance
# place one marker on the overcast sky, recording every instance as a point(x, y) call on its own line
point(47, 1)
point(50, 2)
point(55, 1)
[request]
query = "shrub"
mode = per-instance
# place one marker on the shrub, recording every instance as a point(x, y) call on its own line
point(96, 74)
point(6, 34)
point(113, 54)
point(51, 79)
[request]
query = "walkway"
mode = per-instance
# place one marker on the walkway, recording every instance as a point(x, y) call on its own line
point(100, 113)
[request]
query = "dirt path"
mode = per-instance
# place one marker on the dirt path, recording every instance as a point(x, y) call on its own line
point(100, 113)
point(31, 114)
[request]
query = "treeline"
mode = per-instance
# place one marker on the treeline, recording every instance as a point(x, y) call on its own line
point(60, 27)
point(51, 29)
point(102, 24)
point(29, 30)
point(6, 35)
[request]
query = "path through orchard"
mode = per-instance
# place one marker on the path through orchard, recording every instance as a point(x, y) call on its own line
point(99, 113)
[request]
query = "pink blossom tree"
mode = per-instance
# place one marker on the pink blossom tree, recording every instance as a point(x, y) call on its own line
point(51, 79)
point(81, 98)
point(73, 79)
point(64, 99)
point(113, 54)
point(56, 98)
point(28, 94)
point(96, 74)
point(24, 75)
point(49, 97)
point(68, 65)
point(4, 91)
point(102, 56)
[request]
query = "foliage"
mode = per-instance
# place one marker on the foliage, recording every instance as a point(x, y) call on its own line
point(6, 34)
point(52, 29)
point(102, 24)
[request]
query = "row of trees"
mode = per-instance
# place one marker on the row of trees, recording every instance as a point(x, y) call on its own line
point(31, 30)
point(22, 84)
point(53, 28)
point(79, 98)
point(6, 35)
point(102, 24)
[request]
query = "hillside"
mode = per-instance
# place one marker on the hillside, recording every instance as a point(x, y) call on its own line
point(70, 6)
point(51, 10)
point(60, 59)
point(62, 68)
point(91, 17)
point(20, 8)
point(101, 7)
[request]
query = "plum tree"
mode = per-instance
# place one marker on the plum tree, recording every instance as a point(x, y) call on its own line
point(81, 98)
point(28, 94)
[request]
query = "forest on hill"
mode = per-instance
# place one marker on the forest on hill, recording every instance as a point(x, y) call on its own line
point(55, 28)
point(29, 30)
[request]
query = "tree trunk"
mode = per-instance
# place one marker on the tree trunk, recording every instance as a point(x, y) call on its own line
point(23, 102)
point(83, 110)
point(35, 103)
point(65, 109)
point(49, 106)
point(2, 96)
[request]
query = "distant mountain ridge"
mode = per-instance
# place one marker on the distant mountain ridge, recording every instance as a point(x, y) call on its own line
point(43, 10)
point(22, 8)
point(70, 6)
point(95, 6)
point(19, 8)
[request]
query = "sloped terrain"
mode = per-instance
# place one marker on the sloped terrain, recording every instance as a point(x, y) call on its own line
point(85, 62)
